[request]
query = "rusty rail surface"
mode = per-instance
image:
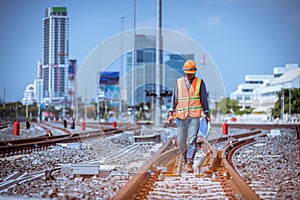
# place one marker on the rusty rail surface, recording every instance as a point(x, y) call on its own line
point(234, 178)
point(218, 163)
point(37, 145)
point(4, 125)
point(235, 137)
point(263, 126)
point(136, 184)
point(15, 147)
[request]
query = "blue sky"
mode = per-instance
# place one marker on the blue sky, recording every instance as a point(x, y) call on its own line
point(241, 36)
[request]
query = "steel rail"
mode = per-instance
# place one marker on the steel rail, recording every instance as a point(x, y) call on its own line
point(21, 178)
point(262, 126)
point(135, 185)
point(243, 135)
point(30, 140)
point(4, 124)
point(232, 176)
point(40, 143)
point(142, 183)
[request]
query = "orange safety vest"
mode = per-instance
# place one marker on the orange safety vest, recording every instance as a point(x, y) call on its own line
point(189, 103)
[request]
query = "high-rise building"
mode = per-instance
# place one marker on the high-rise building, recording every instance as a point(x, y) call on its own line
point(174, 68)
point(40, 70)
point(144, 67)
point(55, 55)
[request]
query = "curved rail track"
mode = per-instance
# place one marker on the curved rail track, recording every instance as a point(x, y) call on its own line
point(213, 177)
point(162, 177)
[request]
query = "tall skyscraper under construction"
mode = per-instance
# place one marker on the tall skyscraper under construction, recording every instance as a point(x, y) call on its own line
point(55, 55)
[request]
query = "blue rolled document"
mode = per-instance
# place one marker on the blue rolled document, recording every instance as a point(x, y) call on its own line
point(204, 127)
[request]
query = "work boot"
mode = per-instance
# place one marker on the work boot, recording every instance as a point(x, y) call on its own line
point(188, 167)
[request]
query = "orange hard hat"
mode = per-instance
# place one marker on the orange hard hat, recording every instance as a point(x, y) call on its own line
point(189, 67)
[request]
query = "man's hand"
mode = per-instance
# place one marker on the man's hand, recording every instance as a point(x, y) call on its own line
point(170, 118)
point(207, 117)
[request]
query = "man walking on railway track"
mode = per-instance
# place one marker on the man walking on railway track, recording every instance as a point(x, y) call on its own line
point(189, 101)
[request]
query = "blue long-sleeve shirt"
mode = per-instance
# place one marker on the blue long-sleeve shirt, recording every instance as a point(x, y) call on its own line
point(203, 96)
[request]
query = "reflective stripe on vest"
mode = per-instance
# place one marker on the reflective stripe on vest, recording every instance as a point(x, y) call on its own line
point(189, 103)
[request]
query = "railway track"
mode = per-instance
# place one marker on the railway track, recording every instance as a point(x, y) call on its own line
point(214, 177)
point(162, 177)
point(4, 125)
point(263, 126)
point(16, 147)
point(19, 178)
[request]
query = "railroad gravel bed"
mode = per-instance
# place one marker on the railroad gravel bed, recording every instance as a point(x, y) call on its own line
point(34, 131)
point(270, 165)
point(275, 159)
point(77, 187)
point(43, 160)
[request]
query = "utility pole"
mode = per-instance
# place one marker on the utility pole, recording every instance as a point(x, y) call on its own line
point(26, 108)
point(98, 77)
point(74, 102)
point(39, 112)
point(133, 67)
point(85, 105)
point(158, 74)
point(121, 70)
point(282, 103)
point(4, 96)
point(290, 103)
point(98, 103)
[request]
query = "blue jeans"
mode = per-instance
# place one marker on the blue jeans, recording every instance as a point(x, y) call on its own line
point(187, 130)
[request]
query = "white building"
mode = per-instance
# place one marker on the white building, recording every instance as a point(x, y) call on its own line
point(29, 97)
point(267, 96)
point(260, 91)
point(278, 71)
point(245, 92)
point(33, 93)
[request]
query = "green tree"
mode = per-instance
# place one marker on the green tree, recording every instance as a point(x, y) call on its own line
point(245, 111)
point(148, 104)
point(104, 109)
point(227, 106)
point(295, 102)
